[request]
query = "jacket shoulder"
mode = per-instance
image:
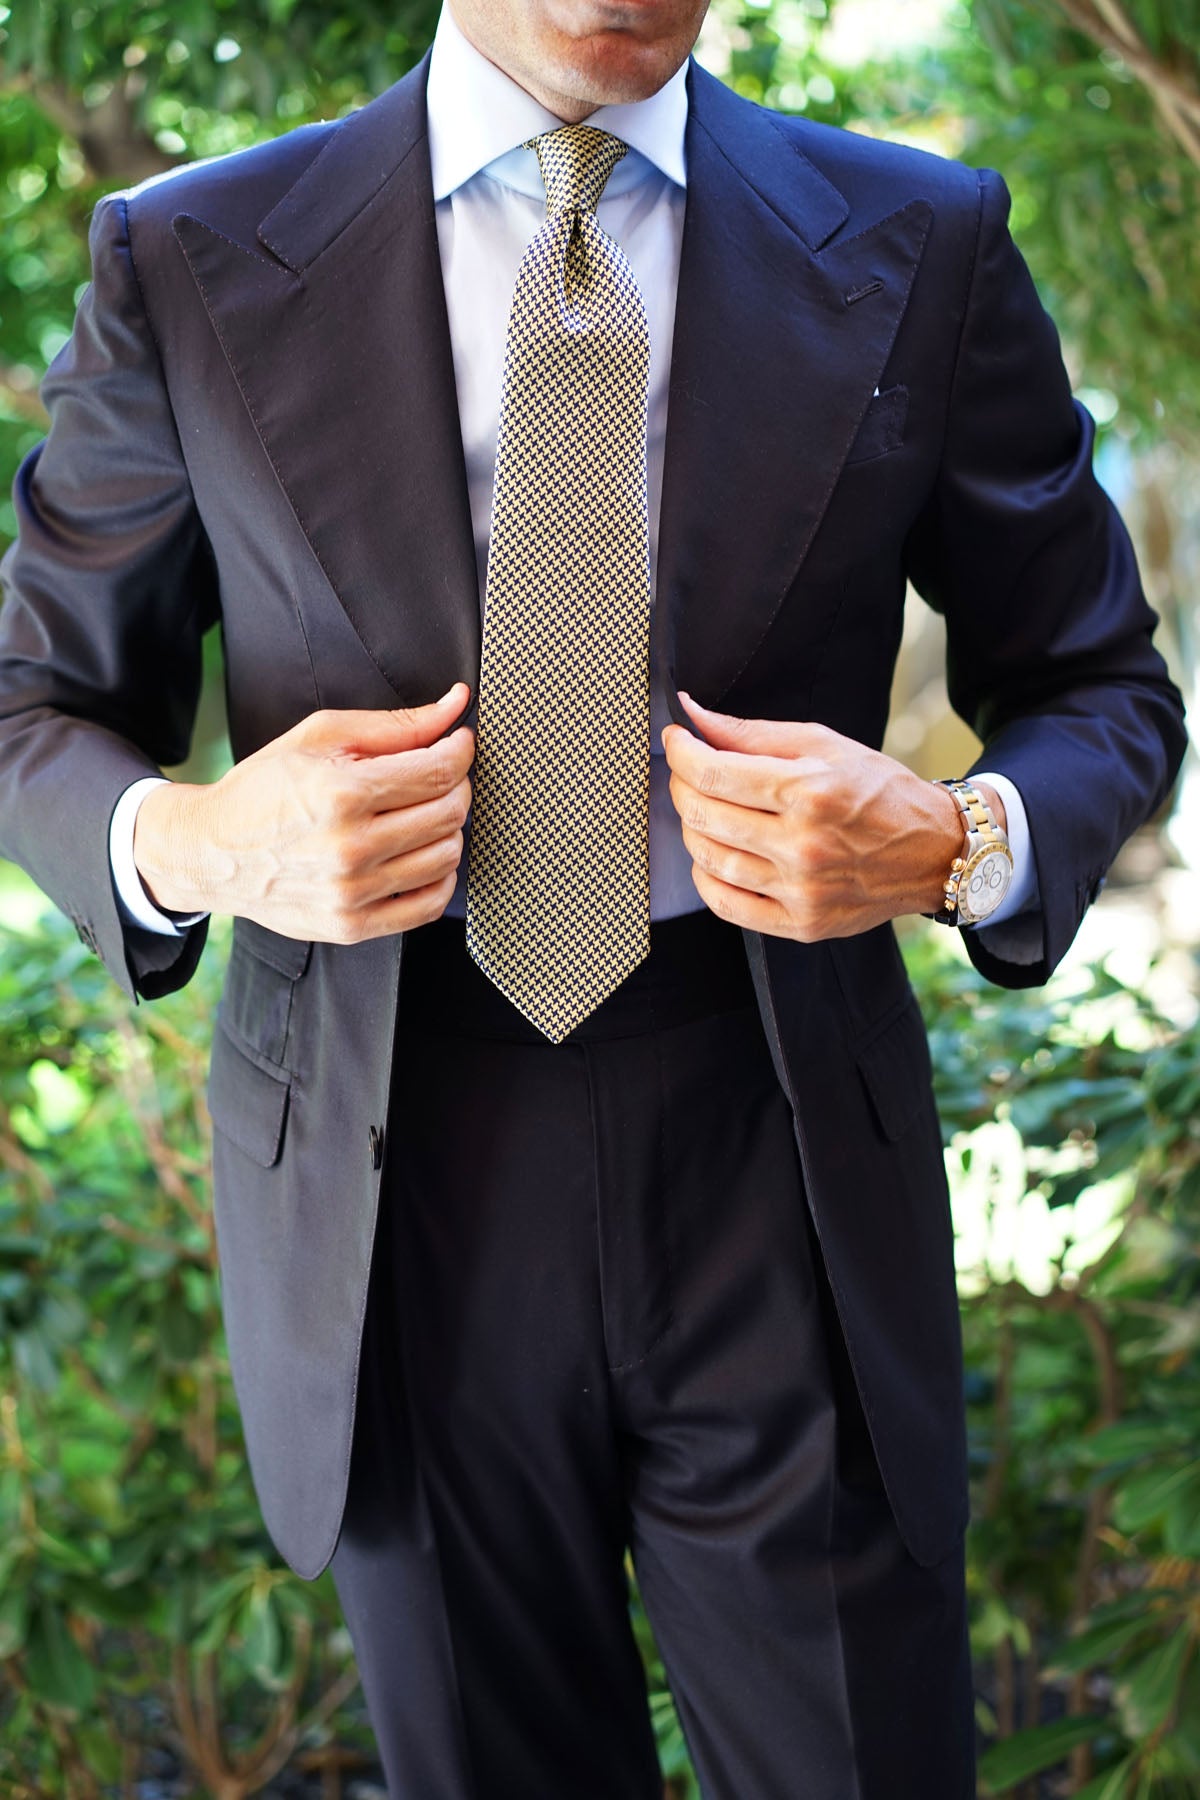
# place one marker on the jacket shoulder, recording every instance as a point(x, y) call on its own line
point(877, 176)
point(231, 192)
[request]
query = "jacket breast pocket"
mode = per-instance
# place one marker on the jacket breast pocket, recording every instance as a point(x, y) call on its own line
point(882, 429)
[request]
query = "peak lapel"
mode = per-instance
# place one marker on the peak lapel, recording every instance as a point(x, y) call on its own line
point(773, 365)
point(337, 335)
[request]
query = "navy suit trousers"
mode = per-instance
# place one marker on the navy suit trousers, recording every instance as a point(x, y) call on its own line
point(599, 1335)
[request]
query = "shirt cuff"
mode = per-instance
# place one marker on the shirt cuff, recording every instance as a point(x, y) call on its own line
point(134, 902)
point(1014, 931)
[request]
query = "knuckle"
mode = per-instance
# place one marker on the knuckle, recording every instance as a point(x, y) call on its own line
point(459, 804)
point(344, 926)
point(824, 803)
point(795, 862)
point(442, 773)
point(344, 893)
point(341, 860)
point(699, 848)
point(807, 919)
point(316, 726)
point(334, 789)
point(786, 794)
point(433, 900)
point(718, 902)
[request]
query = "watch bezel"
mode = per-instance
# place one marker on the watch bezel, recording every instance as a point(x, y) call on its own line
point(966, 911)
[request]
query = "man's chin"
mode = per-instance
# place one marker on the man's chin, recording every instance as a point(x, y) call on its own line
point(614, 69)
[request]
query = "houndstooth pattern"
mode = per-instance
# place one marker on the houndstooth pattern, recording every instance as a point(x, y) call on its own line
point(558, 882)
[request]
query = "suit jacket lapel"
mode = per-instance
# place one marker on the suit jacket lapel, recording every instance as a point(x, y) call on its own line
point(335, 329)
point(781, 337)
point(337, 334)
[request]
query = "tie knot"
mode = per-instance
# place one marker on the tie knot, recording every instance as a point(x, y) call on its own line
point(575, 161)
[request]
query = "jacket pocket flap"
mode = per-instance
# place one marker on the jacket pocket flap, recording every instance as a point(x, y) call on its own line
point(288, 955)
point(896, 1068)
point(248, 1104)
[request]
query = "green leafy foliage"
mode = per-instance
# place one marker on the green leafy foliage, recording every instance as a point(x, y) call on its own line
point(136, 1578)
point(270, 59)
point(1083, 1370)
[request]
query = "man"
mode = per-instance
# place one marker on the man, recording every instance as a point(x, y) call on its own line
point(662, 1251)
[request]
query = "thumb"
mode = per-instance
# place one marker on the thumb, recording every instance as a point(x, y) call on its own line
point(755, 737)
point(385, 731)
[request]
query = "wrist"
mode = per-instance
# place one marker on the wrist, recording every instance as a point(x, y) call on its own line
point(998, 809)
point(947, 840)
point(980, 875)
point(168, 848)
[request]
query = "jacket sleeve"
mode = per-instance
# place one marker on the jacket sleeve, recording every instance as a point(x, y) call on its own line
point(108, 591)
point(1049, 653)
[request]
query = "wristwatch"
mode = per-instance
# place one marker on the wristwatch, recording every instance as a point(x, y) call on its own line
point(980, 877)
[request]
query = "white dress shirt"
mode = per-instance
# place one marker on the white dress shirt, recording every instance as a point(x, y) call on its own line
point(489, 201)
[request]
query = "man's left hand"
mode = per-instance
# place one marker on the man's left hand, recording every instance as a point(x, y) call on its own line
point(798, 832)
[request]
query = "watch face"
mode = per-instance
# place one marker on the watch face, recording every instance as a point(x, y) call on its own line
point(984, 884)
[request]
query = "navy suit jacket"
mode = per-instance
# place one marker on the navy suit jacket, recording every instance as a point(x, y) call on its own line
point(255, 422)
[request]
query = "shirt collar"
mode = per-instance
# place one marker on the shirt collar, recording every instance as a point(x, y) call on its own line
point(479, 116)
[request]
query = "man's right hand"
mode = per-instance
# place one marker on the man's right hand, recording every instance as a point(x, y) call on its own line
point(347, 827)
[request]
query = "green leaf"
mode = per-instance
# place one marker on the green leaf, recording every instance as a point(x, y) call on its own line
point(1113, 1784)
point(34, 1359)
point(14, 1621)
point(181, 1333)
point(263, 1637)
point(56, 1667)
point(1185, 1739)
point(128, 1561)
point(18, 1246)
point(1099, 1644)
point(100, 1750)
point(1028, 1752)
point(57, 1553)
point(672, 1746)
point(1182, 1532)
point(225, 1596)
point(1147, 1691)
point(1146, 1496)
point(1132, 1440)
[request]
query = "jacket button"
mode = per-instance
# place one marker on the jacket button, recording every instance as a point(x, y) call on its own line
point(376, 1147)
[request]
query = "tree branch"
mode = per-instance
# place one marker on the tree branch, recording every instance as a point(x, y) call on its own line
point(115, 145)
point(1175, 96)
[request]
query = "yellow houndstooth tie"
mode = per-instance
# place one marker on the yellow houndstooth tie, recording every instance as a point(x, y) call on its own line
point(558, 883)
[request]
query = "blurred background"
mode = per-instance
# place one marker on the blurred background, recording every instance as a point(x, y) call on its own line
point(151, 1644)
